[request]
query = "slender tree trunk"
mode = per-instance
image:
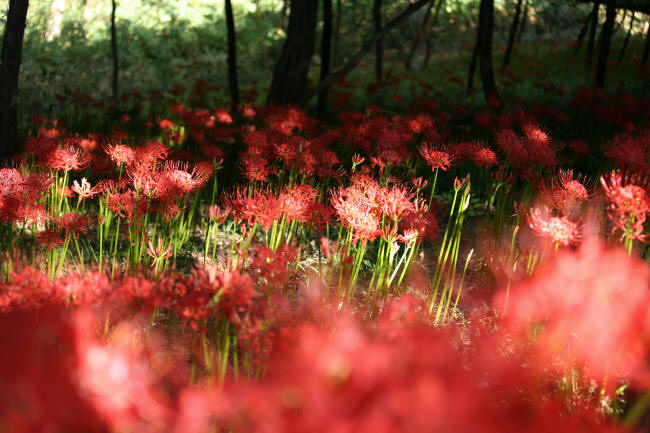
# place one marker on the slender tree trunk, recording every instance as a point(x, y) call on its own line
point(524, 20)
point(418, 35)
point(592, 34)
point(429, 36)
point(583, 32)
point(325, 52)
point(513, 34)
point(116, 65)
point(603, 55)
point(337, 34)
point(283, 13)
point(646, 47)
point(232, 59)
point(472, 63)
point(627, 39)
point(12, 47)
point(365, 49)
point(289, 83)
point(379, 46)
point(486, 28)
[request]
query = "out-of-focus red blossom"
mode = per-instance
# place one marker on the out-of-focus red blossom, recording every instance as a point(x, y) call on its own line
point(117, 378)
point(565, 193)
point(559, 230)
point(39, 391)
point(341, 378)
point(628, 202)
point(586, 308)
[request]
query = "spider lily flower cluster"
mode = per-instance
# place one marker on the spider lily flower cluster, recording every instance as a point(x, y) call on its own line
point(368, 276)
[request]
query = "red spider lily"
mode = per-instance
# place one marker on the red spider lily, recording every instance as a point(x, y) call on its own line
point(565, 192)
point(423, 222)
point(255, 168)
point(159, 252)
point(150, 154)
point(212, 152)
point(41, 371)
point(84, 190)
point(435, 157)
point(75, 224)
point(297, 202)
point(357, 207)
point(484, 157)
point(395, 201)
point(67, 158)
point(49, 238)
point(590, 310)
point(261, 206)
point(630, 152)
point(117, 378)
point(178, 177)
point(559, 230)
point(217, 213)
point(120, 154)
point(628, 202)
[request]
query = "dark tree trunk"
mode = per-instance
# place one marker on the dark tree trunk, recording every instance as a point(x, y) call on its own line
point(283, 13)
point(513, 34)
point(583, 32)
point(603, 55)
point(233, 84)
point(337, 34)
point(379, 46)
point(627, 39)
point(646, 49)
point(472, 63)
point(524, 20)
point(486, 28)
point(429, 37)
point(289, 83)
point(365, 49)
point(418, 35)
point(592, 34)
point(116, 65)
point(12, 47)
point(325, 52)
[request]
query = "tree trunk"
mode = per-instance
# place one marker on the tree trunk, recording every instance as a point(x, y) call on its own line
point(232, 59)
point(646, 47)
point(116, 65)
point(513, 34)
point(472, 63)
point(583, 32)
point(524, 20)
point(592, 34)
point(365, 49)
point(429, 37)
point(283, 13)
point(627, 39)
point(603, 55)
point(337, 34)
point(12, 47)
point(418, 35)
point(325, 52)
point(379, 47)
point(486, 28)
point(289, 83)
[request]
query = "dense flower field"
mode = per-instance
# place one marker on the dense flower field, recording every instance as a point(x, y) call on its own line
point(447, 271)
